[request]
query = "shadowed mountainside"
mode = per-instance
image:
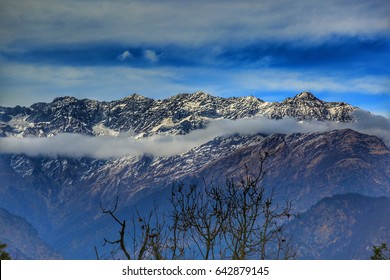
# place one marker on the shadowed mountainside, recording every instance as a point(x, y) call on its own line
point(22, 239)
point(342, 227)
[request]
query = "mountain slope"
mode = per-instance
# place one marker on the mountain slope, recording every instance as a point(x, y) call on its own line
point(23, 241)
point(342, 227)
point(308, 167)
point(61, 196)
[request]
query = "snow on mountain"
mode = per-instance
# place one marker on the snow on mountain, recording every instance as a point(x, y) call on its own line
point(145, 116)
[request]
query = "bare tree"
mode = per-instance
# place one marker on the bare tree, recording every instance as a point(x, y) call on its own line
point(148, 237)
point(201, 215)
point(238, 220)
point(122, 224)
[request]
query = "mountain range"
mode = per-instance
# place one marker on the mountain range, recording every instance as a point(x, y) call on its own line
point(176, 115)
point(323, 173)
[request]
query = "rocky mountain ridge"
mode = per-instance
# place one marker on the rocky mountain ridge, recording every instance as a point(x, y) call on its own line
point(145, 116)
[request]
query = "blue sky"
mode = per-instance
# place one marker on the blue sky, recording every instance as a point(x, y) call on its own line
point(106, 50)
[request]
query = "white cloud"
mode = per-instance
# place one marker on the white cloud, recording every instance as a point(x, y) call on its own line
point(76, 145)
point(24, 84)
point(311, 81)
point(196, 23)
point(151, 56)
point(372, 125)
point(125, 55)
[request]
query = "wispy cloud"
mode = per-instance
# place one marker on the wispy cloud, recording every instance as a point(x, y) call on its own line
point(20, 83)
point(76, 145)
point(174, 22)
point(224, 47)
point(125, 55)
point(312, 81)
point(151, 56)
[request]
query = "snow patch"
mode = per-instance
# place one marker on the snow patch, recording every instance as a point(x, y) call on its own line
point(101, 130)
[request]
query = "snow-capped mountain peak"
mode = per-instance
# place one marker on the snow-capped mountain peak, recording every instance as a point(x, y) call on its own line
point(178, 114)
point(306, 95)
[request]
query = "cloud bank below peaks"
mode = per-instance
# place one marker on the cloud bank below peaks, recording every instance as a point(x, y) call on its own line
point(105, 147)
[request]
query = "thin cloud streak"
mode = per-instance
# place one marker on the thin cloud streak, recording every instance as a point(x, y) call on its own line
point(46, 22)
point(76, 145)
point(22, 82)
point(151, 56)
point(125, 55)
